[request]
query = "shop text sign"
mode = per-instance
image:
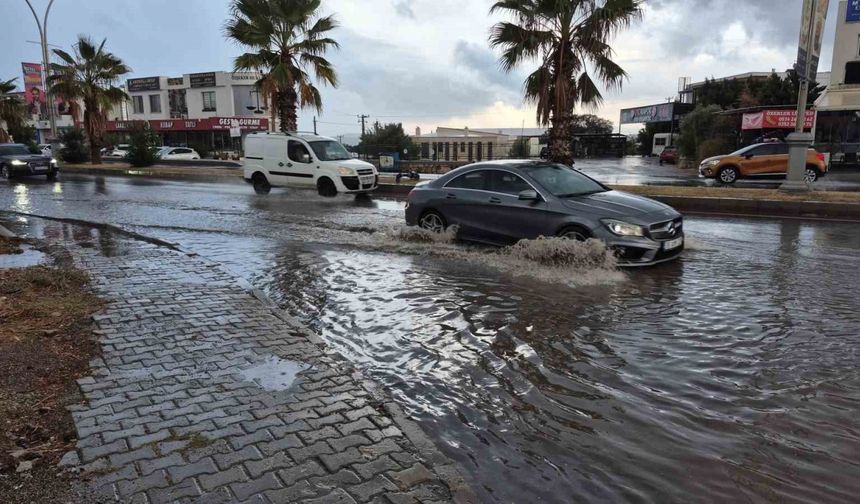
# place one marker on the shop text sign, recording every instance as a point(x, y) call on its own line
point(776, 119)
point(206, 124)
point(852, 15)
point(144, 84)
point(652, 113)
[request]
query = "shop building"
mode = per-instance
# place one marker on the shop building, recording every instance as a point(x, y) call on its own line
point(213, 108)
point(837, 129)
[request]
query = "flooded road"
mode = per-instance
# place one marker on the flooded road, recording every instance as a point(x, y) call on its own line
point(731, 375)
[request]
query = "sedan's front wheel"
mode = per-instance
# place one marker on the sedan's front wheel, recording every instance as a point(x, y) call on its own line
point(433, 221)
point(810, 176)
point(573, 233)
point(728, 175)
point(5, 173)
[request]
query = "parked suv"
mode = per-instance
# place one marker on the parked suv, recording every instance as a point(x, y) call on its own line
point(281, 159)
point(764, 159)
point(16, 159)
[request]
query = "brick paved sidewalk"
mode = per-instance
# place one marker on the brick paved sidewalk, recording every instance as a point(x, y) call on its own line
point(193, 400)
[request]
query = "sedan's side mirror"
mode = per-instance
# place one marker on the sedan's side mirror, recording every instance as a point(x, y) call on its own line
point(748, 156)
point(528, 195)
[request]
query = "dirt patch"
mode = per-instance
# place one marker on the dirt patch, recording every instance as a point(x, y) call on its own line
point(11, 246)
point(46, 343)
point(741, 193)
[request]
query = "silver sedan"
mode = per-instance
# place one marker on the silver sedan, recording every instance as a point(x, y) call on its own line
point(502, 202)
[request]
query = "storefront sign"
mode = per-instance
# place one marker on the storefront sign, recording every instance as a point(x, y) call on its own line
point(776, 119)
point(249, 77)
point(200, 80)
point(811, 35)
point(144, 84)
point(175, 81)
point(205, 124)
point(852, 15)
point(651, 113)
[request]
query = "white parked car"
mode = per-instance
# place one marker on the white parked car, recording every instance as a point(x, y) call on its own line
point(119, 151)
point(298, 160)
point(174, 153)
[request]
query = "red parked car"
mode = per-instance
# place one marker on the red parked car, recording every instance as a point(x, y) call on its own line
point(669, 155)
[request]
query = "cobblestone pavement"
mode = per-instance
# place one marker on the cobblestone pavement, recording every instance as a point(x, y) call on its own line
point(205, 393)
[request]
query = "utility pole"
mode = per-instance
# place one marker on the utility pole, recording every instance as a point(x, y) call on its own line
point(315, 125)
point(43, 38)
point(361, 118)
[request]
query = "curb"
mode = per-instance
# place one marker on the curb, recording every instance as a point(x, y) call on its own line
point(762, 208)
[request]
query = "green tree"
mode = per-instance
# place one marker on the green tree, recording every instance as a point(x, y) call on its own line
point(142, 145)
point(590, 124)
point(91, 76)
point(287, 40)
point(12, 109)
point(387, 138)
point(74, 146)
point(570, 41)
point(704, 133)
point(520, 149)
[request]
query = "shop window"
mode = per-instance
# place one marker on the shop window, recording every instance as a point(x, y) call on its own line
point(208, 101)
point(137, 104)
point(155, 104)
point(852, 72)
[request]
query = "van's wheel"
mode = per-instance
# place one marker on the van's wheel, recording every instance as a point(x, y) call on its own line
point(261, 184)
point(433, 221)
point(728, 175)
point(811, 175)
point(574, 233)
point(326, 188)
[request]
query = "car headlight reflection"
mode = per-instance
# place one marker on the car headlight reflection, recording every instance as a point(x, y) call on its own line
point(18, 162)
point(624, 228)
point(345, 172)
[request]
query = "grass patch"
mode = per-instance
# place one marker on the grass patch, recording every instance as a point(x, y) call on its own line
point(46, 343)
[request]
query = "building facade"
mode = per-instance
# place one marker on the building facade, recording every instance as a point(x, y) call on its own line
point(469, 145)
point(216, 109)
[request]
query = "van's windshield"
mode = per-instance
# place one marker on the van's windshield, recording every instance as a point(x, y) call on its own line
point(329, 150)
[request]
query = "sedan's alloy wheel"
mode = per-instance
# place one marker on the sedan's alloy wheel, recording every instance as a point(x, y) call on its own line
point(810, 176)
point(433, 222)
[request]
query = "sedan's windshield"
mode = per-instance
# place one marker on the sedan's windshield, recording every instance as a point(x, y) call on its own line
point(13, 150)
point(563, 182)
point(329, 150)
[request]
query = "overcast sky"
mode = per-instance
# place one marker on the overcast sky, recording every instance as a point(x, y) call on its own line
point(426, 63)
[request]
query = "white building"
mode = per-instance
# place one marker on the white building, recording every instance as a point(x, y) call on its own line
point(464, 144)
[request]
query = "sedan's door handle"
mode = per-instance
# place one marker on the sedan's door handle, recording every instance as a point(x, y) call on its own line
point(280, 164)
point(495, 200)
point(290, 165)
point(451, 196)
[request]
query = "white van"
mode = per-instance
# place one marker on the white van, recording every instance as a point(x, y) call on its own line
point(661, 141)
point(298, 160)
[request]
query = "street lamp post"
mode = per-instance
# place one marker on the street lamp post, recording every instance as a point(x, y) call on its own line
point(43, 38)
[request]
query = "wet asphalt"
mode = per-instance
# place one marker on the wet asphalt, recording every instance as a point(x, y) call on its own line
point(730, 375)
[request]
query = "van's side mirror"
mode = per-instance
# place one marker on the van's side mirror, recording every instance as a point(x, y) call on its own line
point(528, 195)
point(306, 158)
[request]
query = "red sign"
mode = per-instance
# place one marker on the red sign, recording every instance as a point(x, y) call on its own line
point(776, 119)
point(205, 124)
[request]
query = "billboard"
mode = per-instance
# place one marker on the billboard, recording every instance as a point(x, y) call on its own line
point(776, 119)
point(651, 113)
point(199, 80)
point(852, 15)
point(144, 84)
point(811, 35)
point(34, 90)
point(205, 124)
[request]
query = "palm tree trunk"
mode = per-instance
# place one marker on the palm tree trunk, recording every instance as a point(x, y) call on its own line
point(560, 139)
point(288, 108)
point(92, 135)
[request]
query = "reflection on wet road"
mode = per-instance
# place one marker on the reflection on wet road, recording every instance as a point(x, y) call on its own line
point(729, 376)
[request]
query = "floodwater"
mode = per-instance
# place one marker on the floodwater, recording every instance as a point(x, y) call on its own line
point(731, 375)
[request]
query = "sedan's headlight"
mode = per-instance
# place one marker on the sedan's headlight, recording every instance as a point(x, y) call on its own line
point(623, 228)
point(345, 172)
point(53, 161)
point(18, 162)
point(711, 163)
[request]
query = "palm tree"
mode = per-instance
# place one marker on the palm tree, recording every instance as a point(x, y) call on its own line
point(570, 41)
point(90, 77)
point(12, 109)
point(287, 40)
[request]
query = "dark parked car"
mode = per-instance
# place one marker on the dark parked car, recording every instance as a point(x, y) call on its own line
point(16, 159)
point(669, 155)
point(501, 202)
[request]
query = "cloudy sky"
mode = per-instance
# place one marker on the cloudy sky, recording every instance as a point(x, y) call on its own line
point(427, 63)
